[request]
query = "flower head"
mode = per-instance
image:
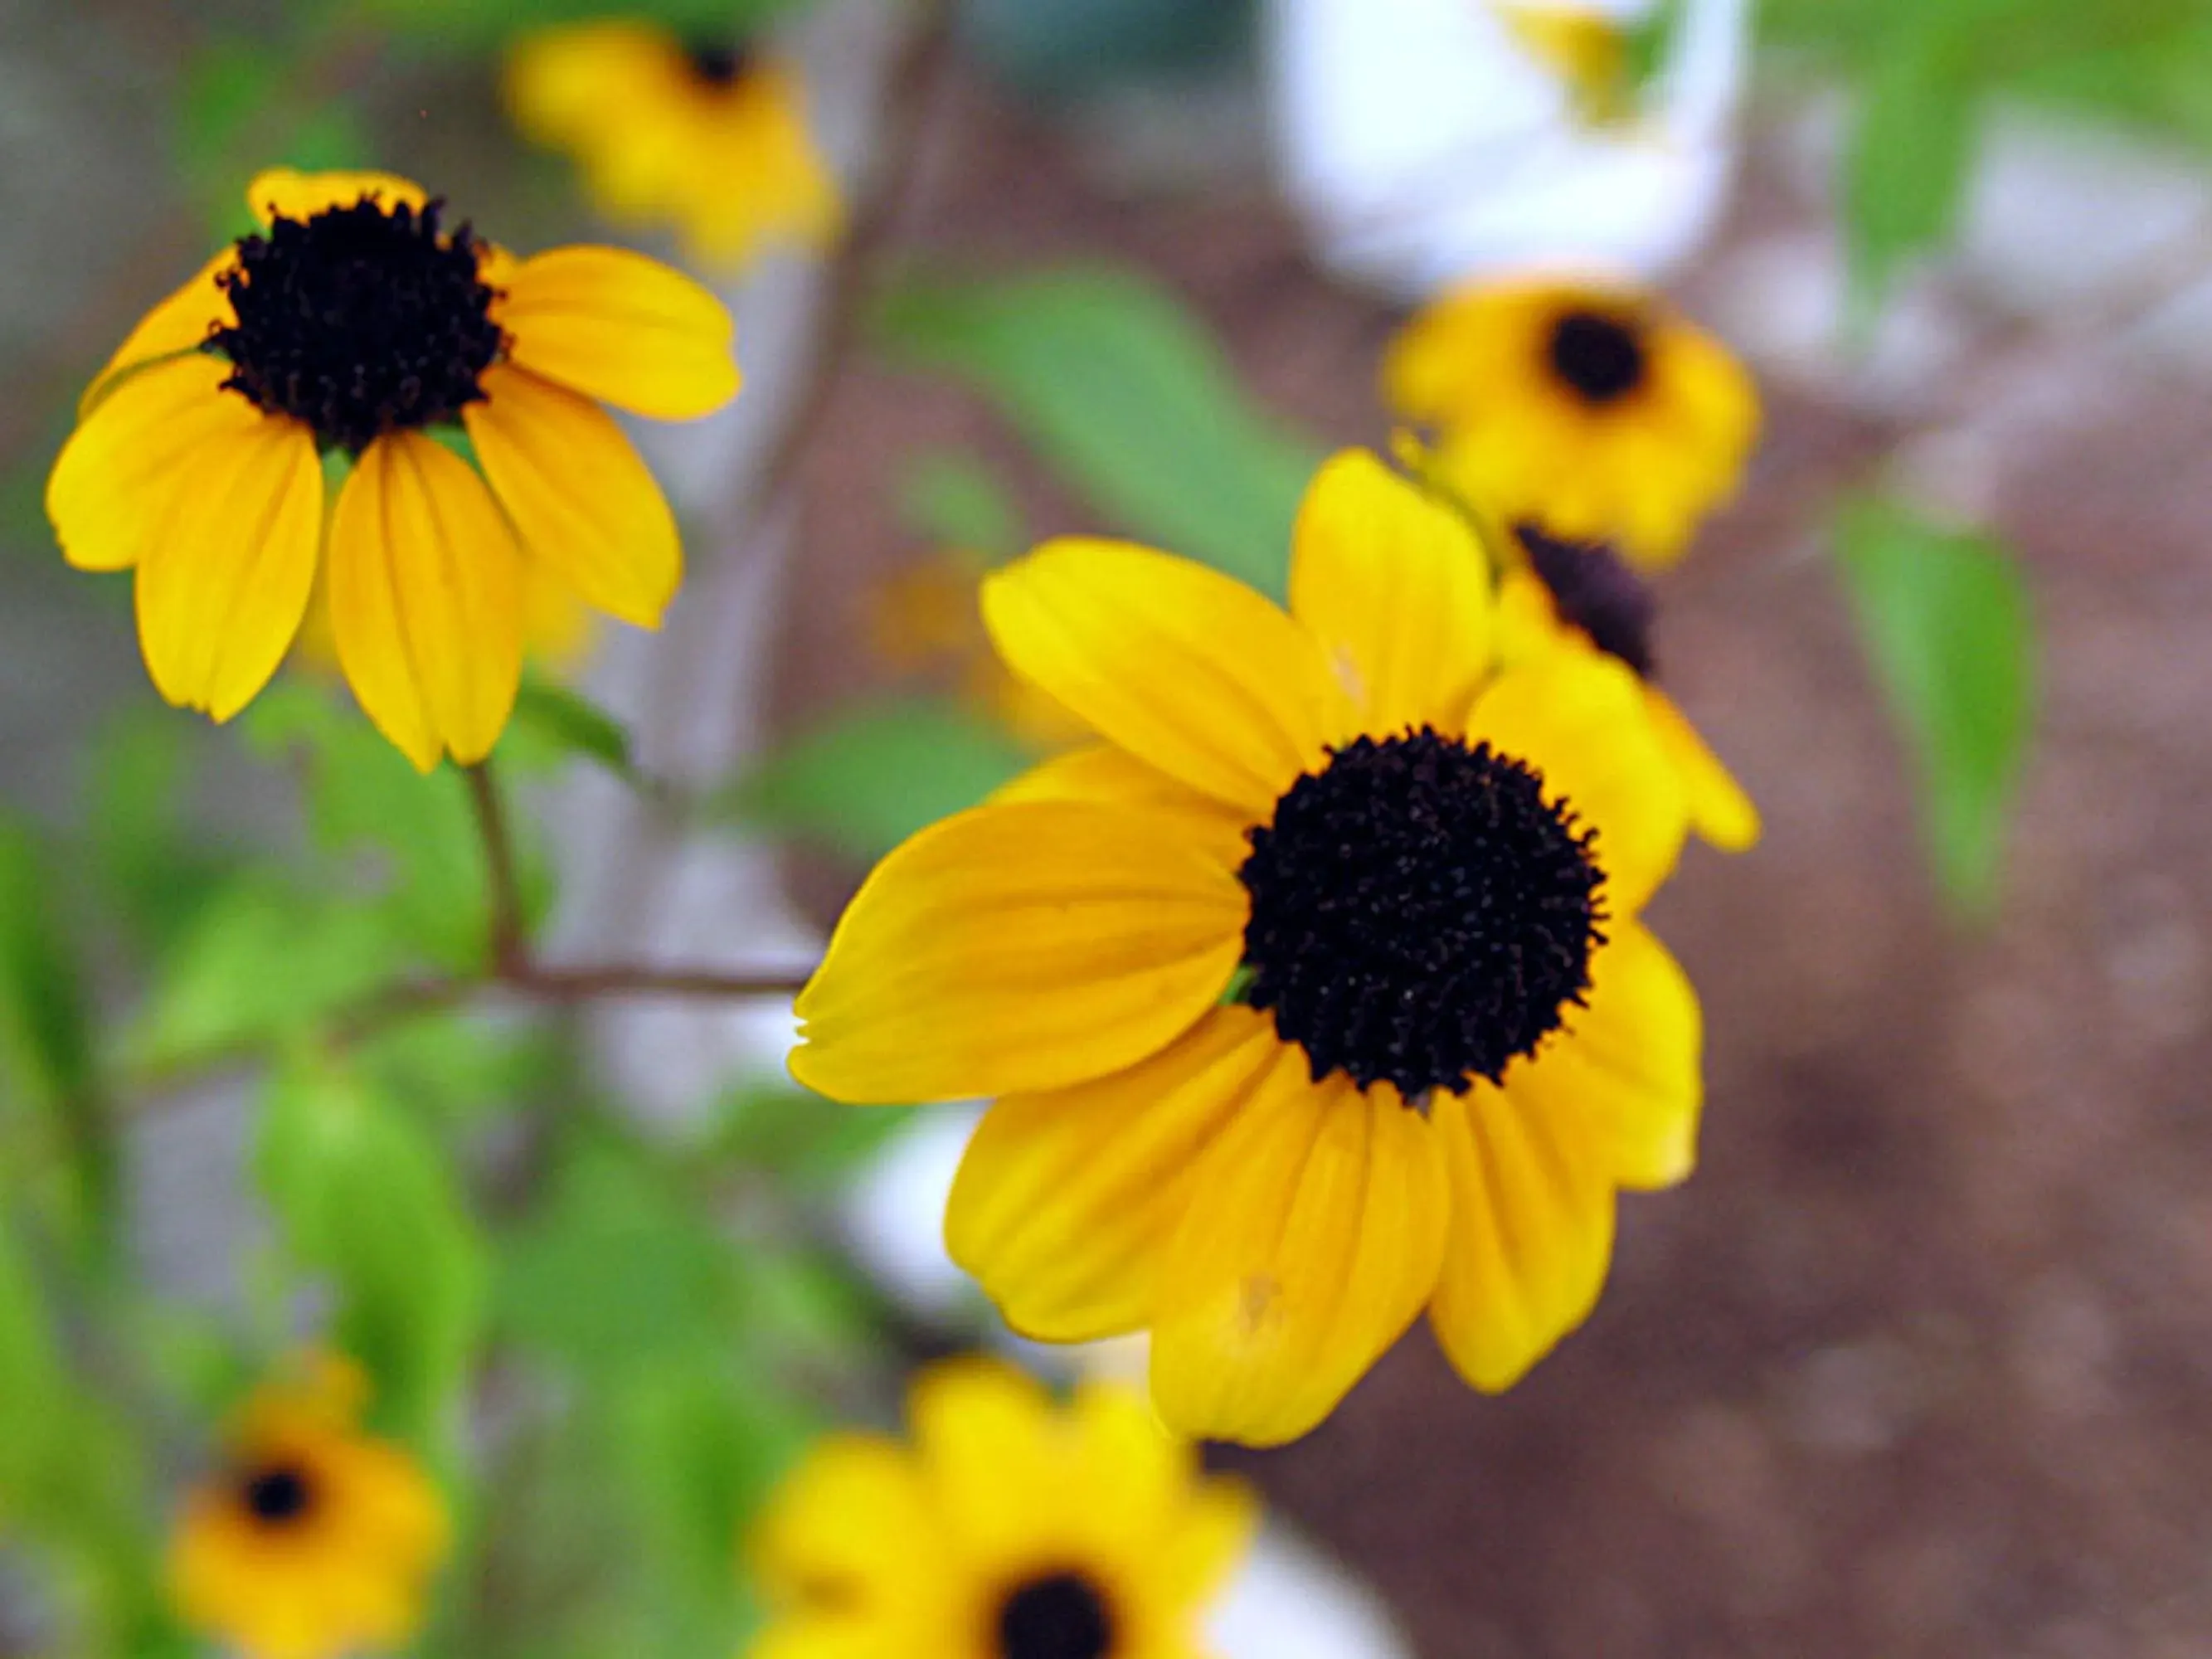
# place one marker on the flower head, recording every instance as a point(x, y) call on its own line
point(1594, 413)
point(709, 136)
point(359, 331)
point(1583, 596)
point(313, 1539)
point(1011, 1529)
point(1313, 993)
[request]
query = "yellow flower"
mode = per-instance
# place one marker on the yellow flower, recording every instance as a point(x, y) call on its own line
point(1586, 49)
point(927, 618)
point(353, 328)
point(314, 1539)
point(1313, 995)
point(1581, 596)
point(1594, 413)
point(1011, 1530)
point(712, 139)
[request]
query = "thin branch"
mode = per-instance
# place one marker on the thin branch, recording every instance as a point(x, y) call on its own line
point(600, 982)
point(510, 943)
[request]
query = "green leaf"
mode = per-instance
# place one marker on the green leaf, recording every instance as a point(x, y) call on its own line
point(472, 26)
point(32, 1382)
point(1911, 157)
point(954, 500)
point(264, 959)
point(570, 723)
point(1948, 624)
point(795, 1134)
point(156, 871)
point(1124, 392)
point(365, 1198)
point(866, 779)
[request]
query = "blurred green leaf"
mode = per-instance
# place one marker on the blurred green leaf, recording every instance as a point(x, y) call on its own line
point(795, 1134)
point(155, 869)
point(866, 779)
point(1911, 157)
point(32, 1384)
point(366, 1198)
point(1127, 394)
point(616, 1270)
point(264, 958)
point(473, 26)
point(954, 500)
point(572, 724)
point(1946, 622)
point(363, 796)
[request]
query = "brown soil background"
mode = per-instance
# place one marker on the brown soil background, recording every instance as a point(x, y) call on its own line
point(1920, 1363)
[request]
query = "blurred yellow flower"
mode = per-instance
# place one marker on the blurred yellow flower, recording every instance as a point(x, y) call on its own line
point(712, 139)
point(353, 328)
point(1586, 49)
point(1011, 1529)
point(313, 1539)
point(928, 619)
point(1583, 596)
point(1591, 413)
point(1314, 994)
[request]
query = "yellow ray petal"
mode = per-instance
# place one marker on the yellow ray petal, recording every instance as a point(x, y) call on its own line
point(1629, 1064)
point(1577, 717)
point(1396, 588)
point(1018, 947)
point(288, 193)
point(1719, 809)
point(566, 84)
point(1115, 777)
point(179, 323)
point(110, 492)
point(579, 497)
point(1532, 1211)
point(995, 1458)
point(1312, 1240)
point(852, 1523)
point(622, 328)
point(426, 599)
point(1189, 671)
point(224, 582)
point(1065, 1201)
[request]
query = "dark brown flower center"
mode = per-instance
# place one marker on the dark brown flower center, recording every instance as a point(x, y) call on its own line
point(360, 320)
point(1421, 915)
point(1059, 1615)
point(1598, 355)
point(1597, 590)
point(720, 63)
point(276, 1494)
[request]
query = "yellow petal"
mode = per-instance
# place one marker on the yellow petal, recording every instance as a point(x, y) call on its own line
point(1532, 1210)
point(1186, 670)
point(1719, 809)
point(426, 599)
point(1018, 947)
point(993, 1455)
point(1101, 773)
point(179, 323)
point(566, 84)
point(622, 328)
point(1578, 718)
point(851, 1524)
point(224, 581)
point(1629, 1064)
point(110, 493)
point(1314, 1236)
point(288, 193)
point(578, 495)
point(1065, 1201)
point(1396, 587)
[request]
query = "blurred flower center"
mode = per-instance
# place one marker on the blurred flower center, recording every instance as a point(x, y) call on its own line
point(1062, 1615)
point(1420, 913)
point(1597, 592)
point(276, 1493)
point(360, 320)
point(718, 65)
point(1600, 356)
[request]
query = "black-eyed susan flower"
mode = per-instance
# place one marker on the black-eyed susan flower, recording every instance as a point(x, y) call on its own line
point(358, 334)
point(1595, 413)
point(1313, 993)
point(1010, 1528)
point(710, 137)
point(1584, 596)
point(927, 619)
point(313, 1539)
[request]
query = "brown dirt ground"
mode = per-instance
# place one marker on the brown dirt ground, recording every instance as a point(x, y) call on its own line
point(1920, 1363)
